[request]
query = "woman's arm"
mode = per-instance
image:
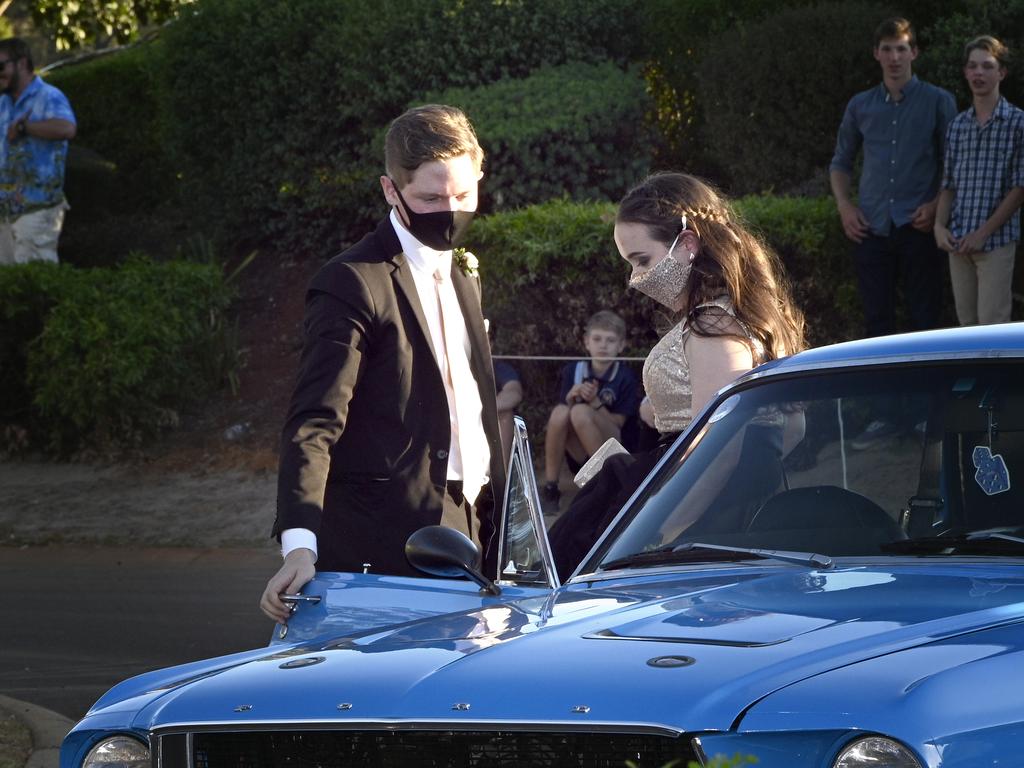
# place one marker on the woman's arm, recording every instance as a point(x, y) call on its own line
point(714, 362)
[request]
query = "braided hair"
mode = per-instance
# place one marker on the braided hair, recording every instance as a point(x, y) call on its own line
point(732, 261)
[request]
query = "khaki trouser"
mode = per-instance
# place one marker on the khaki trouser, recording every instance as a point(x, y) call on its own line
point(983, 285)
point(32, 236)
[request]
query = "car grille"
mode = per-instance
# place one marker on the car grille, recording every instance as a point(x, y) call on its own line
point(420, 749)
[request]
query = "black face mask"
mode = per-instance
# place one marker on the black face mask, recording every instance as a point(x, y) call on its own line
point(440, 230)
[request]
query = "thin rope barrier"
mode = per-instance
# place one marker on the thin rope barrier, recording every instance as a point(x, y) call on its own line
point(572, 358)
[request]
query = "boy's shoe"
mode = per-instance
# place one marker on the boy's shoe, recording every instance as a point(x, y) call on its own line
point(549, 498)
point(873, 434)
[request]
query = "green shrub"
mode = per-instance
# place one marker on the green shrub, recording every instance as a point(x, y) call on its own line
point(116, 103)
point(548, 267)
point(276, 104)
point(942, 46)
point(27, 295)
point(809, 239)
point(111, 354)
point(677, 37)
point(773, 92)
point(545, 270)
point(119, 172)
point(575, 130)
point(682, 40)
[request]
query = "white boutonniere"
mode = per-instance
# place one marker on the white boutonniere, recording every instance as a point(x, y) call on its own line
point(467, 263)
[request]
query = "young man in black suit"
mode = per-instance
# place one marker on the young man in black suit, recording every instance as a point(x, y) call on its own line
point(393, 422)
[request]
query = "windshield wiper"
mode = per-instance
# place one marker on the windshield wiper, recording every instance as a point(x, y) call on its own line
point(978, 542)
point(698, 551)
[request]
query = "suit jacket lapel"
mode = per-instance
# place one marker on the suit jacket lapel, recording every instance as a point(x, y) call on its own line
point(401, 275)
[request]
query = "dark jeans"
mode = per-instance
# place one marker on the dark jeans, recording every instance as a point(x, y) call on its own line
point(910, 257)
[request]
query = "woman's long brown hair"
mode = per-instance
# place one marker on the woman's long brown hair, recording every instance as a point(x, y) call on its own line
point(732, 261)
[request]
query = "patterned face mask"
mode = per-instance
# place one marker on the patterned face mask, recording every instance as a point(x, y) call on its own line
point(666, 281)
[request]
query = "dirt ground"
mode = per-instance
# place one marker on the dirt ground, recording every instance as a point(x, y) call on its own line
point(195, 485)
point(46, 503)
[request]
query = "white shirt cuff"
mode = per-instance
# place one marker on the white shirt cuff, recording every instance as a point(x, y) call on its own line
point(298, 538)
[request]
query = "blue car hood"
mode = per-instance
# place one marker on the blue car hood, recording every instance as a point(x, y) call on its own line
point(681, 650)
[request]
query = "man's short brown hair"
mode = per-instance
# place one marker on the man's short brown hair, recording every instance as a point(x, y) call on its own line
point(427, 133)
point(990, 45)
point(895, 27)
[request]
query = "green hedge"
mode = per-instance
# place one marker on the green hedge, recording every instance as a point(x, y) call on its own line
point(942, 46)
point(735, 79)
point(107, 356)
point(116, 102)
point(575, 130)
point(677, 37)
point(120, 180)
point(773, 92)
point(276, 105)
point(548, 267)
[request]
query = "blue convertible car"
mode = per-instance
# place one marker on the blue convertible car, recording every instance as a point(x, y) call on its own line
point(778, 588)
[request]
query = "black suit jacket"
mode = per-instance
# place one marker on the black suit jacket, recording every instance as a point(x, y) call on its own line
point(364, 450)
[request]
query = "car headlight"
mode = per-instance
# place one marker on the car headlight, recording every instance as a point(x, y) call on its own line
point(876, 752)
point(118, 752)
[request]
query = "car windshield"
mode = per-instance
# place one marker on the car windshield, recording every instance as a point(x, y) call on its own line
point(916, 460)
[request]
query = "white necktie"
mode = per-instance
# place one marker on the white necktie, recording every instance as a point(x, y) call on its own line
point(464, 407)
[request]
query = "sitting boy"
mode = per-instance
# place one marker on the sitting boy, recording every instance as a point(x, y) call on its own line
point(597, 396)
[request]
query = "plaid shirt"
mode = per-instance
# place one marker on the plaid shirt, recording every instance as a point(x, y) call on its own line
point(983, 163)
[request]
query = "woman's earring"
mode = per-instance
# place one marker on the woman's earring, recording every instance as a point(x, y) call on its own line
point(692, 256)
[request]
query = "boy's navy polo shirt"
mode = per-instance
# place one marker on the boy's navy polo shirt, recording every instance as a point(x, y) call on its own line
point(618, 389)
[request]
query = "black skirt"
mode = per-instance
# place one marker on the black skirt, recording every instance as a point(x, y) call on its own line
point(598, 502)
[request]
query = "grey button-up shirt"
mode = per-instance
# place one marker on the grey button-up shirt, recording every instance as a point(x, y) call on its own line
point(903, 144)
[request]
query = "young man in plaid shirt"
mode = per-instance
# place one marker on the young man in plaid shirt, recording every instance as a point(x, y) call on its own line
point(978, 216)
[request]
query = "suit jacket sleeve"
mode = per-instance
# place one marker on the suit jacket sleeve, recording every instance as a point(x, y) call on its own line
point(338, 325)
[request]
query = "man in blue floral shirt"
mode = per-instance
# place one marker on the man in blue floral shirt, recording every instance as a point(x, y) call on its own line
point(36, 123)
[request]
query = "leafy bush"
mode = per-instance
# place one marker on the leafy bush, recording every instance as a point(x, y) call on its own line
point(677, 37)
point(682, 39)
point(942, 46)
point(545, 270)
point(116, 104)
point(109, 355)
point(27, 295)
point(575, 130)
point(809, 239)
point(772, 106)
point(119, 176)
point(276, 104)
point(548, 267)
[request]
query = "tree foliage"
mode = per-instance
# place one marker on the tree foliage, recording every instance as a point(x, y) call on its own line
point(81, 23)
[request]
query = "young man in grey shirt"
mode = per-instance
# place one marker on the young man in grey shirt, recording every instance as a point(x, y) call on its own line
point(899, 125)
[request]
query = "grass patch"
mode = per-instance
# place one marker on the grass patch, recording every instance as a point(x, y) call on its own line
point(15, 742)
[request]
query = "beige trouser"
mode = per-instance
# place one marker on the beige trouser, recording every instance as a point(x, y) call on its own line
point(983, 285)
point(32, 236)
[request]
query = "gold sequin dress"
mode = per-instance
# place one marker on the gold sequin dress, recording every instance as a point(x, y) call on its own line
point(667, 373)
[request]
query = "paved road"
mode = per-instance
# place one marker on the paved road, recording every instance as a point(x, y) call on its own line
point(79, 619)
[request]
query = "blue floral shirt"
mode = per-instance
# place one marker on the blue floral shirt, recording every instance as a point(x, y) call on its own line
point(32, 170)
